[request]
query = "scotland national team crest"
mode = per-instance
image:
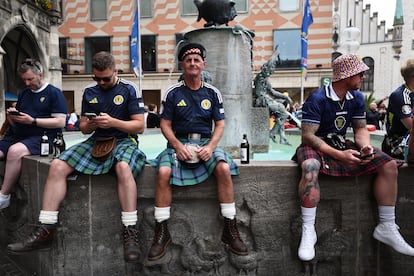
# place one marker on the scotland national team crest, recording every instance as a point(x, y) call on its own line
point(206, 104)
point(340, 122)
point(118, 99)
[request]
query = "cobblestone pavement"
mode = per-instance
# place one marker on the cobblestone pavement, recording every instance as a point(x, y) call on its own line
point(9, 268)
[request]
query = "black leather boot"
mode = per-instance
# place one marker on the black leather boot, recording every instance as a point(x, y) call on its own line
point(161, 241)
point(231, 237)
point(40, 238)
point(131, 246)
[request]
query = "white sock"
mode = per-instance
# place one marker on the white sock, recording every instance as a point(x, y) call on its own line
point(3, 196)
point(386, 213)
point(308, 216)
point(228, 210)
point(48, 217)
point(129, 218)
point(162, 213)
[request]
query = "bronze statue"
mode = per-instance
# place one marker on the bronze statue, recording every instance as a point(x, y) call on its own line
point(216, 12)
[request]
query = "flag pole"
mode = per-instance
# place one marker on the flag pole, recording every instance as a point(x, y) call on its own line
point(139, 48)
point(302, 89)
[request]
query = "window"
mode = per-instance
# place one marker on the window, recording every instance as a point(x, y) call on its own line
point(412, 44)
point(288, 5)
point(98, 10)
point(148, 53)
point(94, 45)
point(368, 83)
point(288, 43)
point(63, 53)
point(189, 8)
point(145, 8)
point(241, 6)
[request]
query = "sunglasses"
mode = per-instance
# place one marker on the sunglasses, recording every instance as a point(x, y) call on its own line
point(104, 79)
point(33, 63)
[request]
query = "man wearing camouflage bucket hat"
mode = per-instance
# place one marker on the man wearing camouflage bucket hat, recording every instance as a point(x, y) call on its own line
point(327, 113)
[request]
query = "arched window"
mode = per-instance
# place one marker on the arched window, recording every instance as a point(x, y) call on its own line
point(368, 83)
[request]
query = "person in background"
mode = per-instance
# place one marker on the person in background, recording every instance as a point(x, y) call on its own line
point(40, 108)
point(373, 116)
point(119, 109)
point(327, 114)
point(73, 119)
point(145, 115)
point(399, 114)
point(188, 111)
point(153, 119)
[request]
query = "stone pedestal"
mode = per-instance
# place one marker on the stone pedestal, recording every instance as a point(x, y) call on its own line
point(229, 62)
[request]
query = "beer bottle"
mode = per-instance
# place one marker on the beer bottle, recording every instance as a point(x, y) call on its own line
point(244, 150)
point(44, 145)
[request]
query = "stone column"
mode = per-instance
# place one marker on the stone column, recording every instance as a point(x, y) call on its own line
point(229, 62)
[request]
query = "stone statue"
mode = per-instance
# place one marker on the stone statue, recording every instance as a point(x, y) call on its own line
point(277, 102)
point(216, 12)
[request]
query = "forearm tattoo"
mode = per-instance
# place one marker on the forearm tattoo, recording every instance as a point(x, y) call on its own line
point(309, 186)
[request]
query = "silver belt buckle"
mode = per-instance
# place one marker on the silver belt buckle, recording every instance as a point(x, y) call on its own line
point(194, 136)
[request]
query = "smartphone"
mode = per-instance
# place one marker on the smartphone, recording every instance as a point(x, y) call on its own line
point(90, 115)
point(15, 113)
point(367, 155)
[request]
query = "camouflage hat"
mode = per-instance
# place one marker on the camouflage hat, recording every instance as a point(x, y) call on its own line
point(192, 48)
point(346, 66)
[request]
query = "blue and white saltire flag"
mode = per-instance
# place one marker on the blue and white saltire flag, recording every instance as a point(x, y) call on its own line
point(135, 45)
point(306, 22)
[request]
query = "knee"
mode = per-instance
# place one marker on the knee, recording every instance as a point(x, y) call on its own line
point(391, 169)
point(222, 168)
point(310, 169)
point(59, 167)
point(164, 174)
point(122, 167)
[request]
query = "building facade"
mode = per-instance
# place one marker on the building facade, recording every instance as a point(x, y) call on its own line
point(90, 26)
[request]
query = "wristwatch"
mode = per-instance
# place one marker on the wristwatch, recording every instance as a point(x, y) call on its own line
point(34, 122)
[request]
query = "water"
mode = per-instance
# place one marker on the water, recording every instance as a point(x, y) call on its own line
point(152, 142)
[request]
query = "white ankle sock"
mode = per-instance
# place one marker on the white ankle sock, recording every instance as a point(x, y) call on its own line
point(3, 196)
point(129, 218)
point(308, 216)
point(386, 213)
point(228, 210)
point(48, 217)
point(162, 213)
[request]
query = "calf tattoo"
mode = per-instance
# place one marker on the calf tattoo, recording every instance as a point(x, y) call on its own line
point(309, 190)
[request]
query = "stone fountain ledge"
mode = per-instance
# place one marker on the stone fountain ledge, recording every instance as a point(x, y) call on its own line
point(90, 243)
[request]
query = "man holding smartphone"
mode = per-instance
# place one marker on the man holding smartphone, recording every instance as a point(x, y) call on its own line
point(327, 114)
point(120, 107)
point(40, 108)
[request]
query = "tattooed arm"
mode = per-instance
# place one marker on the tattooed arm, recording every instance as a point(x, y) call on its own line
point(309, 138)
point(361, 134)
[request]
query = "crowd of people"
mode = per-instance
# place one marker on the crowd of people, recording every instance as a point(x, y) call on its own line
point(191, 119)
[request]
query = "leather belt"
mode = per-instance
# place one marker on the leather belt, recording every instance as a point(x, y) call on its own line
point(194, 136)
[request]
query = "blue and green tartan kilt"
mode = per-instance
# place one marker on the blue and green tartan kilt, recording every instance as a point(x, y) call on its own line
point(79, 157)
point(334, 167)
point(182, 176)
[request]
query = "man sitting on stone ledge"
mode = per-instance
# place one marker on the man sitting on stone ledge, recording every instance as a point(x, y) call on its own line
point(327, 113)
point(119, 110)
point(187, 114)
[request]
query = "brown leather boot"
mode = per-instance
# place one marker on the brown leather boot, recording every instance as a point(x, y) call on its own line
point(131, 246)
point(161, 241)
point(231, 237)
point(40, 238)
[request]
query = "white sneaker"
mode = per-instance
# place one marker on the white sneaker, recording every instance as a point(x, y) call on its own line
point(387, 232)
point(306, 250)
point(4, 201)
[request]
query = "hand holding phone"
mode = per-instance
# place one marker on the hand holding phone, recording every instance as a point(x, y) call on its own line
point(15, 112)
point(90, 115)
point(366, 156)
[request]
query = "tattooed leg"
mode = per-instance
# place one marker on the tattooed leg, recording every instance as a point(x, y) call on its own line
point(309, 190)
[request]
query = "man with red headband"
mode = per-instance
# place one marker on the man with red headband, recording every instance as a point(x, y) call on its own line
point(187, 113)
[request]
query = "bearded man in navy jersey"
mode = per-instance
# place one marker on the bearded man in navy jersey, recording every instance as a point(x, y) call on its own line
point(327, 114)
point(118, 112)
